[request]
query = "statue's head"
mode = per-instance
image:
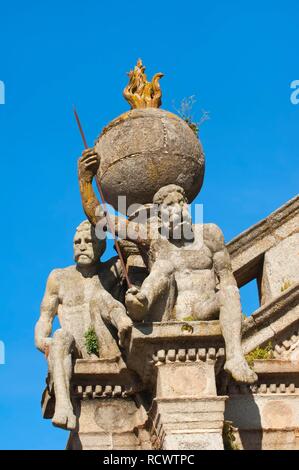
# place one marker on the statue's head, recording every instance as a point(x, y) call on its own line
point(173, 211)
point(87, 247)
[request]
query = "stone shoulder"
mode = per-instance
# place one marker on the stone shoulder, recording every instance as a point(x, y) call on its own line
point(212, 236)
point(57, 273)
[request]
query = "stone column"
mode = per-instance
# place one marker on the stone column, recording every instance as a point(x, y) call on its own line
point(186, 413)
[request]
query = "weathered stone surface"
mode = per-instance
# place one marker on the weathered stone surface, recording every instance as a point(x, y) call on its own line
point(190, 274)
point(190, 279)
point(163, 383)
point(145, 149)
point(173, 342)
point(77, 295)
point(281, 268)
point(272, 321)
point(276, 366)
point(188, 423)
point(110, 423)
point(248, 248)
point(185, 379)
point(265, 421)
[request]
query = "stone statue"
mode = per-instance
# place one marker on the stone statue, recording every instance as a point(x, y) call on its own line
point(81, 297)
point(193, 275)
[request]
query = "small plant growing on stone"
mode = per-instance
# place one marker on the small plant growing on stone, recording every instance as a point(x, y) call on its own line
point(185, 113)
point(229, 437)
point(260, 353)
point(91, 342)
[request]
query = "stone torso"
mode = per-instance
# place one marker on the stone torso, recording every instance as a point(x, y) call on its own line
point(194, 273)
point(76, 291)
point(75, 294)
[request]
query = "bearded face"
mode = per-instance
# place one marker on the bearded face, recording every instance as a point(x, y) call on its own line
point(87, 248)
point(176, 221)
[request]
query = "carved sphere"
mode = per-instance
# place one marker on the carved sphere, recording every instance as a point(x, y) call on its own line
point(145, 149)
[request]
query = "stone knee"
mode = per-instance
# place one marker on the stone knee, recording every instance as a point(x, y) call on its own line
point(63, 341)
point(164, 267)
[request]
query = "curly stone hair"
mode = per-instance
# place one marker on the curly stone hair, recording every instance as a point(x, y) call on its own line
point(163, 192)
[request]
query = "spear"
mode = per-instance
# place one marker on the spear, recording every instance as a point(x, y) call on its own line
point(109, 221)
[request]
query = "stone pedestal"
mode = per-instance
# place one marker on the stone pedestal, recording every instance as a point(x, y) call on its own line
point(164, 397)
point(183, 358)
point(188, 423)
point(186, 413)
point(110, 415)
point(266, 415)
point(109, 424)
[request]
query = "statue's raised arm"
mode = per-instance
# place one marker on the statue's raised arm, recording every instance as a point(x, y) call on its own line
point(88, 165)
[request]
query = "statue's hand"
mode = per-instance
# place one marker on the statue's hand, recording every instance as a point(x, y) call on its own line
point(136, 303)
point(124, 327)
point(88, 164)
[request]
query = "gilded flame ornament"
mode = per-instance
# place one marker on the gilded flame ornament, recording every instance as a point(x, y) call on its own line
point(139, 92)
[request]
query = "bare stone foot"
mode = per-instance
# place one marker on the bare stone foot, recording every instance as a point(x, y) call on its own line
point(64, 418)
point(240, 370)
point(124, 327)
point(136, 303)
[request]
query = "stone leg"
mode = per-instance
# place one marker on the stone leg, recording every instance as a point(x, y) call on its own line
point(60, 362)
point(156, 297)
point(187, 414)
point(231, 321)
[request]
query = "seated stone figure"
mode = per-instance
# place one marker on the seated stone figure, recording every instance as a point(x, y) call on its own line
point(193, 277)
point(77, 294)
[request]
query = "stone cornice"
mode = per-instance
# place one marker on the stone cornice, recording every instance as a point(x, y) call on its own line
point(247, 249)
point(271, 320)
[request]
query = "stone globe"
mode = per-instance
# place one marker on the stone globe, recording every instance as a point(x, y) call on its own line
point(145, 149)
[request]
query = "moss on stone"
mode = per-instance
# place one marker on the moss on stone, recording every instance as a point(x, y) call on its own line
point(91, 342)
point(260, 353)
point(187, 328)
point(229, 437)
point(189, 318)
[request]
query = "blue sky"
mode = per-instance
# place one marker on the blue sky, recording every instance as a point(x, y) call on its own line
point(237, 58)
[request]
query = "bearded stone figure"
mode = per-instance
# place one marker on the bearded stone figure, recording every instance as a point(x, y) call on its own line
point(191, 278)
point(80, 296)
